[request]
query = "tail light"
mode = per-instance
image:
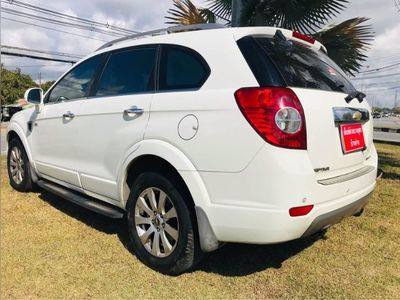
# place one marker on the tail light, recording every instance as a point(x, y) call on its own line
point(276, 114)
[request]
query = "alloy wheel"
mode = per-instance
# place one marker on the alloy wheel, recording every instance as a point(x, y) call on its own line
point(16, 164)
point(156, 222)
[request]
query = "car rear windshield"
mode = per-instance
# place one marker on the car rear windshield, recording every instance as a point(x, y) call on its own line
point(299, 65)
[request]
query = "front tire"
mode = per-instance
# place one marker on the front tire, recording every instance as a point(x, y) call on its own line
point(160, 225)
point(18, 167)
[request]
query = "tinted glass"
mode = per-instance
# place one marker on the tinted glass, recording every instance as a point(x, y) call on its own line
point(76, 83)
point(130, 71)
point(181, 68)
point(260, 64)
point(304, 67)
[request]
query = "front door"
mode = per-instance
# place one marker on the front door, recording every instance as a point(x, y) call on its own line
point(54, 131)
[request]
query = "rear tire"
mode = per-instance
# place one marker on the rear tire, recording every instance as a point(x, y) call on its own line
point(18, 167)
point(160, 225)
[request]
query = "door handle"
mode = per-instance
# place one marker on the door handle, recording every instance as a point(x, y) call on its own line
point(68, 115)
point(134, 110)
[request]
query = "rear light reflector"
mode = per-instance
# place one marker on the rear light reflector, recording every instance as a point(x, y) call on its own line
point(276, 114)
point(303, 37)
point(300, 210)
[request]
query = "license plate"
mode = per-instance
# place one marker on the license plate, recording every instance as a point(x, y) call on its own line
point(352, 137)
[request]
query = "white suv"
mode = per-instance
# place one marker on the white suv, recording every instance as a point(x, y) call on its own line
point(200, 137)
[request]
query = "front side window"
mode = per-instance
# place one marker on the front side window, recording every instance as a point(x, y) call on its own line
point(181, 68)
point(77, 82)
point(129, 71)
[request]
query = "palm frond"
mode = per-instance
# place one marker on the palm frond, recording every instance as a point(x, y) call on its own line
point(185, 12)
point(347, 42)
point(305, 16)
point(221, 8)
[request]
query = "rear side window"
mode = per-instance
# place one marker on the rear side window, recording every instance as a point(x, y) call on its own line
point(182, 68)
point(300, 66)
point(129, 71)
point(77, 82)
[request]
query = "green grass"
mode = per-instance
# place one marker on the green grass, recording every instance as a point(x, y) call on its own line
point(53, 249)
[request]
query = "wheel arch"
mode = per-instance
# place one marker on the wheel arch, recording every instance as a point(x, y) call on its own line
point(153, 163)
point(161, 157)
point(15, 131)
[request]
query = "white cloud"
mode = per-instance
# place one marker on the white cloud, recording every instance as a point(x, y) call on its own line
point(388, 40)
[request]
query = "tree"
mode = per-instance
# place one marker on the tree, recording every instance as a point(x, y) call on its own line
point(13, 85)
point(396, 110)
point(377, 109)
point(46, 85)
point(345, 42)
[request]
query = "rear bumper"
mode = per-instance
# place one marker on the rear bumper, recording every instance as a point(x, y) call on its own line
point(275, 225)
point(333, 217)
point(252, 206)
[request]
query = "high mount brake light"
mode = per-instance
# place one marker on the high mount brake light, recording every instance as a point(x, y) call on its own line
point(303, 37)
point(276, 114)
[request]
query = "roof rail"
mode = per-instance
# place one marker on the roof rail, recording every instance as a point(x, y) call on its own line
point(172, 29)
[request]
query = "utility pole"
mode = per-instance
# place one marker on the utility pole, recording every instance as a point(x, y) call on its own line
point(40, 79)
point(237, 6)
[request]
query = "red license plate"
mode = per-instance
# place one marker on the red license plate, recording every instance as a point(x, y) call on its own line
point(352, 137)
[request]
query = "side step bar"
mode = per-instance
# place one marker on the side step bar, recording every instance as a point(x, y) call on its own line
point(90, 203)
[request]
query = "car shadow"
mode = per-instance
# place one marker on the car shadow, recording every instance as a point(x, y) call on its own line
point(244, 259)
point(89, 218)
point(230, 260)
point(385, 161)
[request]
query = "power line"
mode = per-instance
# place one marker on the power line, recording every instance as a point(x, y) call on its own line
point(383, 89)
point(383, 84)
point(66, 32)
point(380, 68)
point(46, 11)
point(377, 76)
point(59, 22)
point(36, 57)
point(32, 66)
point(43, 51)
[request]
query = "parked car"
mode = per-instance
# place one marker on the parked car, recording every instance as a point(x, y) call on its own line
point(200, 136)
point(7, 111)
point(376, 115)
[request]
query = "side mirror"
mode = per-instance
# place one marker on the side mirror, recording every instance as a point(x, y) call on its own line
point(35, 96)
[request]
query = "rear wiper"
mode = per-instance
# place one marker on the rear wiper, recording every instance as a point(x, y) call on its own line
point(356, 94)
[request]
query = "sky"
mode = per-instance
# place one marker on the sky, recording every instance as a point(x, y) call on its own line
point(142, 15)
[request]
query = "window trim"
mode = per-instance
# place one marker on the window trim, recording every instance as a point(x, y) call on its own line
point(162, 63)
point(108, 55)
point(48, 93)
point(91, 93)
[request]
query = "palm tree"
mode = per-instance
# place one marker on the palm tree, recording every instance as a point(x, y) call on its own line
point(345, 42)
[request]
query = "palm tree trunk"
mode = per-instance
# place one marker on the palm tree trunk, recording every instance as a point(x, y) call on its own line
point(237, 6)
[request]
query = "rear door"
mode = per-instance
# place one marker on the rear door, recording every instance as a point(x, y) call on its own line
point(321, 87)
point(114, 118)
